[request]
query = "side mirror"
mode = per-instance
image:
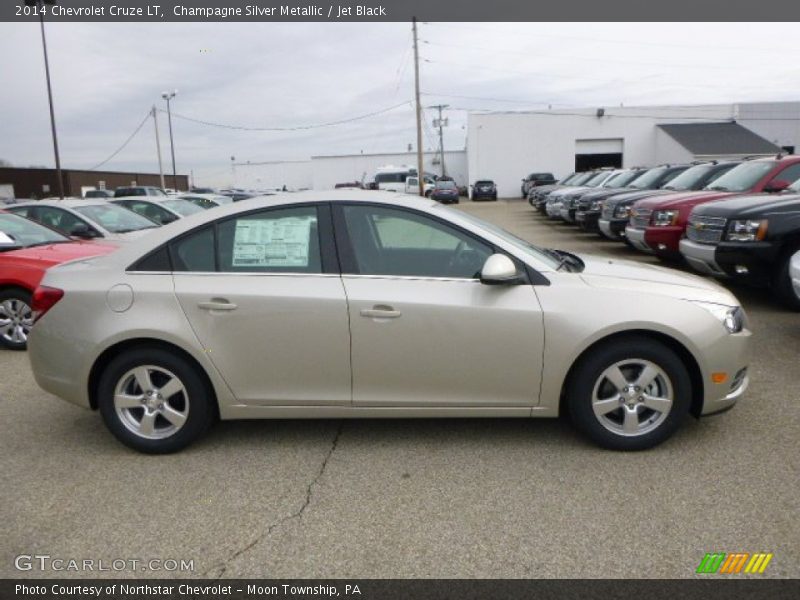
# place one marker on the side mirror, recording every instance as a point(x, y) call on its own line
point(82, 231)
point(499, 270)
point(776, 185)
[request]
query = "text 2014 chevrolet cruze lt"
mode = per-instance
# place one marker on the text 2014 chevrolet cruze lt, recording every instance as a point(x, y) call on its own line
point(371, 304)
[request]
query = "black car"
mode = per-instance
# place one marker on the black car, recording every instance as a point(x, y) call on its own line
point(748, 239)
point(615, 212)
point(484, 189)
point(535, 180)
point(445, 191)
point(537, 197)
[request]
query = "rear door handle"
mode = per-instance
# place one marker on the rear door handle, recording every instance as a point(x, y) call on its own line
point(217, 305)
point(381, 312)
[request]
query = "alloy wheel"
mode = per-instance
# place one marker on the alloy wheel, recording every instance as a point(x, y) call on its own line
point(151, 402)
point(16, 320)
point(632, 397)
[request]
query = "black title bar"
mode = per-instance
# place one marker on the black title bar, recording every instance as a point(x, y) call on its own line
point(403, 10)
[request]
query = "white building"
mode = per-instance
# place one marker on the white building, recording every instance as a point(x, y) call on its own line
point(324, 172)
point(506, 146)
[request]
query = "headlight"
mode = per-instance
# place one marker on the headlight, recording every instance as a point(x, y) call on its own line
point(747, 231)
point(622, 212)
point(596, 205)
point(731, 317)
point(662, 218)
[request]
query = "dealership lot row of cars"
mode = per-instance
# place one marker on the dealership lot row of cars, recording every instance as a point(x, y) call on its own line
point(36, 235)
point(735, 220)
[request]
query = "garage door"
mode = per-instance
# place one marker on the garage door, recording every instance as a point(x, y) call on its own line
point(593, 154)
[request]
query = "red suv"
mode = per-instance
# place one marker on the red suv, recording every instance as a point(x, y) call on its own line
point(658, 223)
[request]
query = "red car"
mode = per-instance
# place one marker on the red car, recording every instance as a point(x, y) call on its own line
point(27, 249)
point(658, 223)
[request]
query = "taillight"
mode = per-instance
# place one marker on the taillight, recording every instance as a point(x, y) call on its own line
point(44, 298)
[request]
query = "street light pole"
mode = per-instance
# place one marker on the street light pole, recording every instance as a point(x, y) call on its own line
point(169, 96)
point(39, 4)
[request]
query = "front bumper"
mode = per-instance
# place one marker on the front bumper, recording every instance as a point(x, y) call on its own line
point(636, 238)
point(613, 229)
point(587, 220)
point(664, 241)
point(729, 354)
point(701, 257)
point(553, 210)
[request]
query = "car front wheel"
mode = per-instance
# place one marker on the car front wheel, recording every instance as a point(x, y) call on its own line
point(154, 401)
point(629, 394)
point(16, 319)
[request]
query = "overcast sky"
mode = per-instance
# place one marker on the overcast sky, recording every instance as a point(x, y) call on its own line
point(107, 76)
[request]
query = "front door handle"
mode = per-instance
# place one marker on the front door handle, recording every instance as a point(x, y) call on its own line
point(381, 312)
point(217, 304)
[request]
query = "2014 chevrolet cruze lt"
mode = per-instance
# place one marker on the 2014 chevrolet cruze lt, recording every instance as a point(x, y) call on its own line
point(372, 304)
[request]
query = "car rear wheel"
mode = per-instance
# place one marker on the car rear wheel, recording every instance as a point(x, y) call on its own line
point(630, 394)
point(16, 319)
point(787, 292)
point(154, 401)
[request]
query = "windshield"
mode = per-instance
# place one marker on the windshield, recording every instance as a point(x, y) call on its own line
point(596, 180)
point(25, 233)
point(689, 179)
point(623, 179)
point(182, 207)
point(115, 218)
point(582, 178)
point(539, 253)
point(445, 185)
point(649, 179)
point(484, 182)
point(743, 177)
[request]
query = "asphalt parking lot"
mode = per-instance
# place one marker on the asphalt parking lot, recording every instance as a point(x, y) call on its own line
point(406, 498)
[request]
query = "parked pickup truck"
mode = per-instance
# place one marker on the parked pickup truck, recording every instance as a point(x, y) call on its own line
point(658, 224)
point(749, 239)
point(611, 216)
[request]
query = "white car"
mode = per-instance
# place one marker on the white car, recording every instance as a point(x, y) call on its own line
point(160, 210)
point(87, 219)
point(348, 304)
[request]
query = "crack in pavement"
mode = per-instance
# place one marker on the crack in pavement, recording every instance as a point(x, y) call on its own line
point(295, 515)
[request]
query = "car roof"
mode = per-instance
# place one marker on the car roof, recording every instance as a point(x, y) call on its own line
point(66, 203)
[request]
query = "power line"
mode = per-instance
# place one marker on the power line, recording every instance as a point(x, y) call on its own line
point(296, 128)
point(118, 150)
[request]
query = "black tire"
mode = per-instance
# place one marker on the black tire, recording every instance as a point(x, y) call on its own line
point(588, 372)
point(782, 283)
point(428, 194)
point(21, 300)
point(200, 401)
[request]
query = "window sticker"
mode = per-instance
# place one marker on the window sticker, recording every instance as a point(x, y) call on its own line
point(272, 242)
point(6, 240)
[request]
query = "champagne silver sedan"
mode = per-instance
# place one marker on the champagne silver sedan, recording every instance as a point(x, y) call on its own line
point(350, 304)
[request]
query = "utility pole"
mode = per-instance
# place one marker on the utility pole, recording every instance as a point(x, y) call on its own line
point(158, 148)
point(440, 122)
point(39, 4)
point(420, 165)
point(169, 96)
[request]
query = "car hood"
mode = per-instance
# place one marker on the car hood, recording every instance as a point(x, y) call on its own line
point(53, 254)
point(629, 276)
point(569, 190)
point(681, 199)
point(752, 205)
point(635, 195)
